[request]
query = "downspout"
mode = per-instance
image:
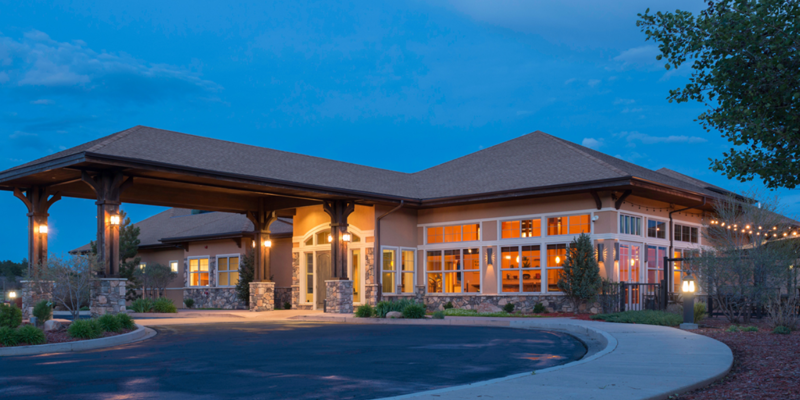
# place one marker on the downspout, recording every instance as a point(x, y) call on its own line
point(378, 258)
point(671, 239)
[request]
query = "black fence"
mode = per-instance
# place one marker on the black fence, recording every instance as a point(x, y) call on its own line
point(631, 296)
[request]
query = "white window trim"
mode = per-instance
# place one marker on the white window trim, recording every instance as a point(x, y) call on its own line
point(177, 265)
point(189, 270)
point(642, 221)
point(439, 225)
point(542, 228)
point(443, 271)
point(216, 268)
point(396, 264)
point(542, 269)
point(573, 214)
point(666, 229)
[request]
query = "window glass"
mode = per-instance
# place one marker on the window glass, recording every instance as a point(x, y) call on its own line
point(655, 263)
point(173, 266)
point(531, 228)
point(556, 226)
point(556, 253)
point(309, 277)
point(452, 262)
point(630, 225)
point(656, 229)
point(407, 268)
point(686, 234)
point(310, 241)
point(354, 238)
point(434, 271)
point(510, 229)
point(355, 259)
point(388, 271)
point(471, 232)
point(322, 237)
point(452, 233)
point(436, 235)
point(572, 225)
point(198, 272)
point(531, 272)
point(579, 224)
point(509, 269)
point(472, 273)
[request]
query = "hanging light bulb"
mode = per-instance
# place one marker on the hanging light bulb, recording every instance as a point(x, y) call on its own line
point(747, 227)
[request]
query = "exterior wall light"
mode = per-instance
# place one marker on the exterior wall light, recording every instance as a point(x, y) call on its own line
point(43, 229)
point(12, 295)
point(114, 219)
point(330, 238)
point(688, 289)
point(268, 243)
point(346, 236)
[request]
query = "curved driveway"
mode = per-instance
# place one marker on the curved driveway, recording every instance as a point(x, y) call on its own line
point(299, 360)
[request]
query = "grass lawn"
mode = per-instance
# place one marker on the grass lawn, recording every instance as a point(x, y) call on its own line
point(646, 317)
point(458, 312)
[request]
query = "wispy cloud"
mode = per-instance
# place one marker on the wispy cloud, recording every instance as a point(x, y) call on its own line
point(592, 143)
point(619, 101)
point(631, 110)
point(593, 82)
point(639, 57)
point(644, 138)
point(43, 102)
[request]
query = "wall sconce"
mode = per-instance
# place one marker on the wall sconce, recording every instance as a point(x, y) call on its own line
point(346, 236)
point(114, 219)
point(254, 244)
point(268, 243)
point(43, 229)
point(12, 295)
point(330, 238)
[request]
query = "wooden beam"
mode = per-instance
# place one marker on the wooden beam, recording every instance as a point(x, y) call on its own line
point(622, 198)
point(597, 200)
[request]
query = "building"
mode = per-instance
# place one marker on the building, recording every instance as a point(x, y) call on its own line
point(486, 229)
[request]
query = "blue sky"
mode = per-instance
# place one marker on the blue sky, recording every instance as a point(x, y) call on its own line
point(408, 85)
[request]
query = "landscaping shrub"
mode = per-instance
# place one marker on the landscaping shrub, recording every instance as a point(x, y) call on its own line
point(84, 308)
point(539, 309)
point(509, 308)
point(384, 307)
point(438, 315)
point(125, 321)
point(458, 312)
point(448, 305)
point(188, 302)
point(164, 305)
point(699, 311)
point(10, 316)
point(647, 317)
point(85, 329)
point(8, 337)
point(141, 305)
point(750, 329)
point(30, 334)
point(287, 305)
point(414, 311)
point(782, 330)
point(365, 311)
point(42, 311)
point(732, 329)
point(109, 323)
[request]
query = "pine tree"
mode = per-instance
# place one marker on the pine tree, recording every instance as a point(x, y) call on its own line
point(246, 275)
point(580, 280)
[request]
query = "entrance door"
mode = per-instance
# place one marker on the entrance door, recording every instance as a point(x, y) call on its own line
point(629, 272)
point(355, 274)
point(323, 274)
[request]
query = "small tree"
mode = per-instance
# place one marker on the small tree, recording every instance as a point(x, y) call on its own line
point(156, 278)
point(246, 275)
point(580, 280)
point(72, 277)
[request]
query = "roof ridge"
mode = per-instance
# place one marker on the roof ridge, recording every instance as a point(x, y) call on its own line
point(113, 139)
point(585, 154)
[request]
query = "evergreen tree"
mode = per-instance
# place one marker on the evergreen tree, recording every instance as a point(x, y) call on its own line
point(580, 280)
point(246, 275)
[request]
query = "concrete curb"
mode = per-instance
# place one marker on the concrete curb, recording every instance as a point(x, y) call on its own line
point(141, 333)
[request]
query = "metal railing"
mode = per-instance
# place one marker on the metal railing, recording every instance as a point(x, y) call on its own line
point(636, 296)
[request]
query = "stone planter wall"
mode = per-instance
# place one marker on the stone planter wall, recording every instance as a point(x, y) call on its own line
point(204, 297)
point(524, 304)
point(283, 295)
point(262, 296)
point(34, 292)
point(107, 296)
point(371, 294)
point(339, 297)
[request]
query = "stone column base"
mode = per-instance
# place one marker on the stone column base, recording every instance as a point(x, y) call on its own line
point(295, 297)
point(107, 296)
point(339, 297)
point(34, 292)
point(371, 294)
point(262, 296)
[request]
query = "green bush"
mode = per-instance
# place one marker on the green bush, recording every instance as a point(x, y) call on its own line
point(287, 305)
point(10, 316)
point(141, 305)
point(30, 334)
point(782, 330)
point(539, 309)
point(85, 329)
point(8, 337)
point(109, 323)
point(125, 321)
point(384, 307)
point(84, 308)
point(414, 311)
point(365, 311)
point(509, 308)
point(42, 311)
point(459, 312)
point(732, 329)
point(699, 311)
point(438, 315)
point(188, 302)
point(750, 329)
point(448, 305)
point(164, 305)
point(647, 317)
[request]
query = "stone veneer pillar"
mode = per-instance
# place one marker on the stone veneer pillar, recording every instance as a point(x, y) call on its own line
point(262, 296)
point(339, 297)
point(107, 296)
point(34, 292)
point(371, 294)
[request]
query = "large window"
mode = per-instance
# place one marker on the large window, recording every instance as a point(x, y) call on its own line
point(525, 228)
point(454, 271)
point(521, 262)
point(355, 262)
point(309, 276)
point(556, 253)
point(407, 271)
point(685, 233)
point(454, 233)
point(630, 225)
point(655, 263)
point(571, 225)
point(227, 270)
point(433, 269)
point(656, 229)
point(198, 272)
point(388, 271)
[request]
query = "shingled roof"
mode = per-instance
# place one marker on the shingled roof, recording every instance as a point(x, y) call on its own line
point(530, 161)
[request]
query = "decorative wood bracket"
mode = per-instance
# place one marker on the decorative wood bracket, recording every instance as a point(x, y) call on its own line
point(622, 198)
point(597, 200)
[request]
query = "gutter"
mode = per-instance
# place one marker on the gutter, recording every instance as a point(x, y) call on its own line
point(378, 258)
point(671, 239)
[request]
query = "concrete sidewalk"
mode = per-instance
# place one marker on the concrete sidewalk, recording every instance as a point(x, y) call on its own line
point(185, 317)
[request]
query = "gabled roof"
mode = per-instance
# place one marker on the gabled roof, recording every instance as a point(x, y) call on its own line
point(534, 160)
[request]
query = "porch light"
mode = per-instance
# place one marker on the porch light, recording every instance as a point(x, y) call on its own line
point(330, 238)
point(12, 295)
point(268, 243)
point(346, 236)
point(43, 229)
point(114, 219)
point(688, 284)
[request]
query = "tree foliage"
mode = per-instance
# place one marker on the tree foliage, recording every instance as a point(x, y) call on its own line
point(72, 277)
point(580, 279)
point(745, 70)
point(154, 279)
point(247, 273)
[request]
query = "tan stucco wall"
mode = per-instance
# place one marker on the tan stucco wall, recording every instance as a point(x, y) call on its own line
point(504, 209)
point(163, 257)
point(606, 222)
point(399, 228)
point(280, 261)
point(489, 230)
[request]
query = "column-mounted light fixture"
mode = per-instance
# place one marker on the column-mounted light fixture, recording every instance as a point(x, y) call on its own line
point(688, 290)
point(12, 295)
point(346, 236)
point(114, 219)
point(268, 243)
point(688, 284)
point(43, 229)
point(330, 238)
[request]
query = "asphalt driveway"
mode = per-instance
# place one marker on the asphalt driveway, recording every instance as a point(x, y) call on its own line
point(285, 360)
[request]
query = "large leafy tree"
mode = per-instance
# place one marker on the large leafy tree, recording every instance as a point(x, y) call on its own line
point(745, 70)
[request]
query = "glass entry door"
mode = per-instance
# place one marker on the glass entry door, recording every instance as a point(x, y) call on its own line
point(323, 273)
point(630, 272)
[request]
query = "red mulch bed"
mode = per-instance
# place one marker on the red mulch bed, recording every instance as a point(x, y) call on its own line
point(765, 365)
point(63, 337)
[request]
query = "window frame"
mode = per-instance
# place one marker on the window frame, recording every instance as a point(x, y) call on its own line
point(392, 271)
point(189, 270)
point(398, 270)
point(547, 267)
point(658, 221)
point(217, 272)
point(519, 221)
point(632, 217)
point(691, 228)
point(443, 271)
point(177, 266)
point(541, 269)
point(546, 225)
point(444, 234)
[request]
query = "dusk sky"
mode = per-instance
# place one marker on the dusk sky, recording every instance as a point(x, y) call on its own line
point(396, 85)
